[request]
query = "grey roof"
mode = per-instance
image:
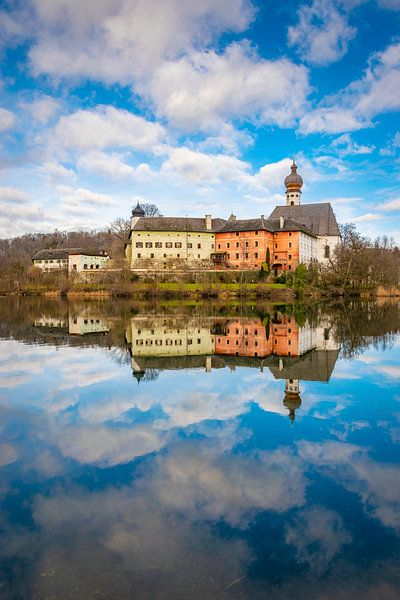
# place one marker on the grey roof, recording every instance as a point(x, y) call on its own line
point(262, 224)
point(320, 217)
point(177, 224)
point(259, 224)
point(58, 253)
point(316, 365)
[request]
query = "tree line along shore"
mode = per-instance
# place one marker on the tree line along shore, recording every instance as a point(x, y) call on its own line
point(359, 266)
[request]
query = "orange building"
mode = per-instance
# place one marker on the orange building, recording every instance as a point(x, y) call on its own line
point(248, 243)
point(244, 337)
point(285, 336)
point(250, 337)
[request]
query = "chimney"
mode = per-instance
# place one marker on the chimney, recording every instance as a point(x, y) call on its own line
point(232, 217)
point(208, 222)
point(281, 222)
point(262, 216)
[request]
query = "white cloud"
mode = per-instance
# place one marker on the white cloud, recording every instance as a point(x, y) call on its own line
point(348, 147)
point(322, 33)
point(132, 37)
point(12, 195)
point(390, 4)
point(113, 165)
point(107, 127)
point(7, 119)
point(318, 535)
point(76, 196)
point(392, 147)
point(331, 120)
point(30, 212)
point(163, 49)
point(56, 171)
point(391, 205)
point(367, 217)
point(354, 106)
point(199, 167)
point(42, 109)
point(204, 89)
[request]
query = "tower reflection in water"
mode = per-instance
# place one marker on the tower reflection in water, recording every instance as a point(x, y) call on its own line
point(290, 351)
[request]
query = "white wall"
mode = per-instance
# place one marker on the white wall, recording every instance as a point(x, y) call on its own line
point(326, 240)
point(77, 262)
point(307, 248)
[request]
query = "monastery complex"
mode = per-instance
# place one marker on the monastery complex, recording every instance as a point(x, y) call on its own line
point(292, 234)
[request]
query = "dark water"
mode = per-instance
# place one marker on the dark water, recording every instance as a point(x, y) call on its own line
point(180, 452)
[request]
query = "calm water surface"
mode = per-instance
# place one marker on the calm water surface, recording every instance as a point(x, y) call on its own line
point(196, 452)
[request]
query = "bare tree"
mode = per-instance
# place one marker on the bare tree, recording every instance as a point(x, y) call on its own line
point(151, 210)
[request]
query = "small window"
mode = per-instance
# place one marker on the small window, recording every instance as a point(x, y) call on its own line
point(178, 256)
point(237, 234)
point(276, 245)
point(139, 255)
point(246, 255)
point(256, 243)
point(256, 232)
point(97, 266)
point(237, 256)
point(85, 266)
point(237, 244)
point(91, 266)
point(139, 244)
point(290, 235)
point(189, 342)
point(168, 244)
point(178, 244)
point(190, 245)
point(149, 244)
point(290, 267)
point(246, 244)
point(219, 246)
point(290, 244)
point(228, 245)
point(199, 245)
point(152, 255)
point(276, 257)
point(290, 257)
point(327, 251)
point(158, 245)
point(256, 255)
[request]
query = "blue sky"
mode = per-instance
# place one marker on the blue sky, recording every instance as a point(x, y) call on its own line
point(197, 106)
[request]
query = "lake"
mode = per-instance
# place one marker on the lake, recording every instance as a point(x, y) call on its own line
point(196, 451)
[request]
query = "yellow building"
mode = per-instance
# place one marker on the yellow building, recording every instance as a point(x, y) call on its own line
point(170, 242)
point(167, 337)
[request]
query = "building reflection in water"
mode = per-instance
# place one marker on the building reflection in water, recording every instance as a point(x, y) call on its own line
point(291, 352)
point(71, 324)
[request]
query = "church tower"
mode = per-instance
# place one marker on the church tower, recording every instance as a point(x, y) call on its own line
point(292, 399)
point(137, 213)
point(293, 184)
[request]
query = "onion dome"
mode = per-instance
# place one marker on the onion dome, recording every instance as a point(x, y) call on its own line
point(138, 211)
point(292, 402)
point(294, 181)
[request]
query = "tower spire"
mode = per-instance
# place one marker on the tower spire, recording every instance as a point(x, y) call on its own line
point(293, 185)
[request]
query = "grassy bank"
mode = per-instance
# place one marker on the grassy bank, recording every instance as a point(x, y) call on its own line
point(222, 291)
